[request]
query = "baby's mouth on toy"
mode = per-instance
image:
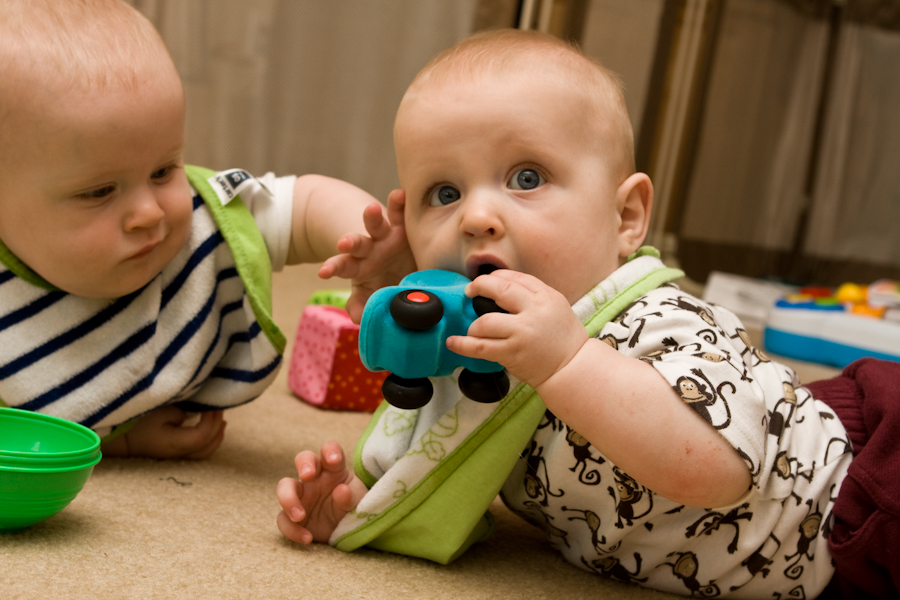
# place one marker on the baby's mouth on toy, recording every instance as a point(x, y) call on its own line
point(483, 266)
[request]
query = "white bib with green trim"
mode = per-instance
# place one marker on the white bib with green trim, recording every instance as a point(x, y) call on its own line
point(433, 472)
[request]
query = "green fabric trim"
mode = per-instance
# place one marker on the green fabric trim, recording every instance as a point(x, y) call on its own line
point(620, 301)
point(406, 542)
point(358, 467)
point(643, 251)
point(23, 271)
point(421, 510)
point(248, 247)
point(443, 514)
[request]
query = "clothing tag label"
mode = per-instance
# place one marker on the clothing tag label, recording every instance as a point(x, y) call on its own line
point(228, 184)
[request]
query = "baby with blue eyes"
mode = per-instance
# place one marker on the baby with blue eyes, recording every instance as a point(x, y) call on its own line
point(657, 420)
point(526, 179)
point(516, 162)
point(515, 158)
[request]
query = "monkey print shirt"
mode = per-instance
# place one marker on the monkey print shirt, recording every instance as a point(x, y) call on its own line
point(770, 543)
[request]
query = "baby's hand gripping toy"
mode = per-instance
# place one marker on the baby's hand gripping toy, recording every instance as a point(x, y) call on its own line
point(404, 330)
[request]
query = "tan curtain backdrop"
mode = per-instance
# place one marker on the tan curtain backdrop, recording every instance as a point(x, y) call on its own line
point(795, 171)
point(792, 155)
point(747, 184)
point(302, 86)
point(622, 35)
point(856, 199)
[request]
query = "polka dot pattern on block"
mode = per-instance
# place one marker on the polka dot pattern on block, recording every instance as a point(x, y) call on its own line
point(325, 369)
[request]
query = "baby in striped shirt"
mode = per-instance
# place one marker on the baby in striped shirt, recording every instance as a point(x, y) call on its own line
point(136, 290)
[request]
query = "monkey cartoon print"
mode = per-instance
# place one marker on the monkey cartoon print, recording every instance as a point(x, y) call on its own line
point(771, 542)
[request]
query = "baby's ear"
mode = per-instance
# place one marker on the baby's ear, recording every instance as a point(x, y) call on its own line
point(634, 200)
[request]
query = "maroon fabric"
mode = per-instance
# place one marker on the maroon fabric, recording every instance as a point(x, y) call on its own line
point(865, 540)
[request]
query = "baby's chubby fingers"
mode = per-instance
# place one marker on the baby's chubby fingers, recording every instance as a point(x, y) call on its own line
point(395, 206)
point(511, 290)
point(289, 491)
point(332, 457)
point(377, 226)
point(293, 515)
point(477, 347)
point(540, 334)
point(376, 221)
point(293, 530)
point(329, 462)
point(208, 435)
point(346, 497)
point(325, 491)
point(307, 465)
point(358, 245)
point(346, 265)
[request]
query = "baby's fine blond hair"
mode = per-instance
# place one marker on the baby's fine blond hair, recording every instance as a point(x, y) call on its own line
point(78, 44)
point(504, 51)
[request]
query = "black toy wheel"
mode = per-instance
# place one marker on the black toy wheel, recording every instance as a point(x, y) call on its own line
point(484, 305)
point(484, 387)
point(407, 393)
point(417, 310)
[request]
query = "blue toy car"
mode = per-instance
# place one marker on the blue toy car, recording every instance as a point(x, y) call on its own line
point(404, 330)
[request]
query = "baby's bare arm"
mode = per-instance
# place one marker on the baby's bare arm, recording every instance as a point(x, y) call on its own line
point(162, 434)
point(324, 210)
point(314, 504)
point(632, 416)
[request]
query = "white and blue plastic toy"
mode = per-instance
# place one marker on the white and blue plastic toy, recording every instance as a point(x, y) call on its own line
point(404, 330)
point(836, 329)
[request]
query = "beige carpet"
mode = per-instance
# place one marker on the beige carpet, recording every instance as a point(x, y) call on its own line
point(196, 530)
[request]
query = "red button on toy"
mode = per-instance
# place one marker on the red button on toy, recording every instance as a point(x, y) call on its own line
point(416, 310)
point(417, 297)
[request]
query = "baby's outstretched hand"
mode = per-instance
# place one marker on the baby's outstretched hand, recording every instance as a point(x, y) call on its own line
point(326, 491)
point(374, 261)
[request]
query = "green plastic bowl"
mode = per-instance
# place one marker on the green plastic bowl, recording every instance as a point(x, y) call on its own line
point(44, 463)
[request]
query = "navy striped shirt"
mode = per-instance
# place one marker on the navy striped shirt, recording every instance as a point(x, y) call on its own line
point(189, 336)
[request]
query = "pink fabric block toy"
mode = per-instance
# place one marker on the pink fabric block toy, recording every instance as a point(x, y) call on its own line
point(325, 369)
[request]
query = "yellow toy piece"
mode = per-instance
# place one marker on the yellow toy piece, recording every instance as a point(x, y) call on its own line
point(851, 292)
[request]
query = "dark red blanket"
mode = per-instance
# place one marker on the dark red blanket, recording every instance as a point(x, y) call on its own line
point(865, 541)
